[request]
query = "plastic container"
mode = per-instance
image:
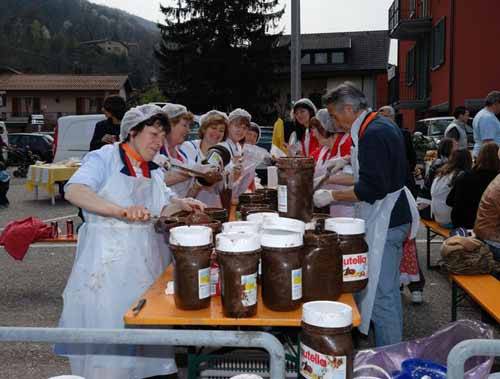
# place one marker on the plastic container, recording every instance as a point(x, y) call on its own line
point(326, 343)
point(282, 254)
point(285, 224)
point(191, 247)
point(218, 214)
point(295, 187)
point(238, 256)
point(270, 196)
point(250, 198)
point(354, 250)
point(247, 209)
point(321, 266)
point(240, 226)
point(262, 218)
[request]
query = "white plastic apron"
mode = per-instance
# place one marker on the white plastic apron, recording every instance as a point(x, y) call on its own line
point(377, 217)
point(181, 188)
point(116, 262)
point(209, 196)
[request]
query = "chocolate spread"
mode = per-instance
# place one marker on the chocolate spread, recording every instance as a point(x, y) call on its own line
point(354, 250)
point(322, 266)
point(239, 282)
point(325, 349)
point(295, 188)
point(247, 209)
point(270, 196)
point(219, 214)
point(192, 276)
point(282, 277)
point(250, 198)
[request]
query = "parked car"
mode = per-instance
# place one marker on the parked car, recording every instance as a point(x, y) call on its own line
point(39, 144)
point(73, 135)
point(435, 127)
point(4, 136)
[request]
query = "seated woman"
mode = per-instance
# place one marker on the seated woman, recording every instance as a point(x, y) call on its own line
point(466, 193)
point(180, 123)
point(334, 150)
point(446, 147)
point(213, 128)
point(460, 162)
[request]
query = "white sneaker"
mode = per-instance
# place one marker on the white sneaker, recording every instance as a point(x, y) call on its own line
point(417, 297)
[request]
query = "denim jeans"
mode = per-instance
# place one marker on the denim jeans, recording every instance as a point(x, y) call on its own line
point(387, 314)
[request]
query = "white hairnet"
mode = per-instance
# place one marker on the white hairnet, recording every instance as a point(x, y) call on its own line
point(174, 110)
point(305, 103)
point(239, 112)
point(254, 126)
point(135, 116)
point(205, 117)
point(326, 120)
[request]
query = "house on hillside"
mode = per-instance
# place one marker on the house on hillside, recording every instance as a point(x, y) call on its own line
point(56, 95)
point(108, 46)
point(444, 58)
point(329, 59)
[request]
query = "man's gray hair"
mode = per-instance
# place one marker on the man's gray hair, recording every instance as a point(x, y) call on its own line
point(347, 94)
point(387, 108)
point(493, 98)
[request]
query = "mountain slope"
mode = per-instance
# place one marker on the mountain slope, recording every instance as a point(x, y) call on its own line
point(45, 36)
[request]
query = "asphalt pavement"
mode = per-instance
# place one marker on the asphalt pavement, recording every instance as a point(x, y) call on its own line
point(30, 292)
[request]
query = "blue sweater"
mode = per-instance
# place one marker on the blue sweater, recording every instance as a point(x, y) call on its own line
point(383, 167)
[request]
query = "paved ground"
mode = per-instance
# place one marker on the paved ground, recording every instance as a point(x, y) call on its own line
point(30, 293)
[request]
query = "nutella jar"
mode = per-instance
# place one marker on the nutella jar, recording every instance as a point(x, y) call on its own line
point(284, 224)
point(270, 196)
point(354, 250)
point(322, 266)
point(282, 254)
point(295, 187)
point(317, 219)
point(326, 347)
point(238, 255)
point(191, 247)
point(240, 226)
point(262, 218)
point(247, 209)
point(250, 198)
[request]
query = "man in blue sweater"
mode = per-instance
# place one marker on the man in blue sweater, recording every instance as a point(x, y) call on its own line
point(381, 173)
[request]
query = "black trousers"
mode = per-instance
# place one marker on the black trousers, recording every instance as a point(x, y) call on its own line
point(4, 188)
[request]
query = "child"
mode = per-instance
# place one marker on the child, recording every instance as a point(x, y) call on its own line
point(4, 186)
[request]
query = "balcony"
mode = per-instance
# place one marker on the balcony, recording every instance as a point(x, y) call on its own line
point(406, 96)
point(408, 19)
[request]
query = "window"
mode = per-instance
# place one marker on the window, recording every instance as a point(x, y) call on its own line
point(338, 57)
point(320, 58)
point(306, 59)
point(410, 66)
point(438, 43)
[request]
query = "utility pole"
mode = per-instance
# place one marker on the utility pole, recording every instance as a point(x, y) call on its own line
point(296, 55)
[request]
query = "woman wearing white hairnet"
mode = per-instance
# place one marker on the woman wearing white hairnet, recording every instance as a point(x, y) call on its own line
point(333, 155)
point(119, 255)
point(213, 129)
point(180, 124)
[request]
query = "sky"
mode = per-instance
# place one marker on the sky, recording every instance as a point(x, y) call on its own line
point(317, 16)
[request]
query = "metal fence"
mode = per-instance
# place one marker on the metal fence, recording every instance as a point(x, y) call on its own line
point(227, 338)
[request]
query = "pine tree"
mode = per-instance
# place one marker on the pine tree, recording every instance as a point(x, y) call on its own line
point(220, 54)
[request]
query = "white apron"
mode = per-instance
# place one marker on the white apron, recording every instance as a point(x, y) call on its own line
point(181, 188)
point(116, 262)
point(337, 208)
point(377, 217)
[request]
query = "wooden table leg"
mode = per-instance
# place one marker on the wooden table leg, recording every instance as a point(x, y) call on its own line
point(454, 300)
point(428, 247)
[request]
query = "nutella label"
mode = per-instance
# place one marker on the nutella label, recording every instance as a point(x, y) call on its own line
point(214, 280)
point(249, 284)
point(297, 284)
point(314, 365)
point(204, 283)
point(355, 267)
point(282, 199)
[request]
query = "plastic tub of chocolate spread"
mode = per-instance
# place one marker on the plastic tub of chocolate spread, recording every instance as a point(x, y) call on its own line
point(354, 250)
point(191, 247)
point(285, 224)
point(295, 187)
point(219, 214)
point(326, 348)
point(262, 218)
point(282, 254)
point(240, 226)
point(270, 196)
point(317, 218)
point(238, 256)
point(250, 198)
point(247, 209)
point(322, 266)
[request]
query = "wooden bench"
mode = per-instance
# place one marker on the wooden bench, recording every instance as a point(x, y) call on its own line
point(433, 230)
point(484, 290)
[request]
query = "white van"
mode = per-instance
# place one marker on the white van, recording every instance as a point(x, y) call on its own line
point(73, 135)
